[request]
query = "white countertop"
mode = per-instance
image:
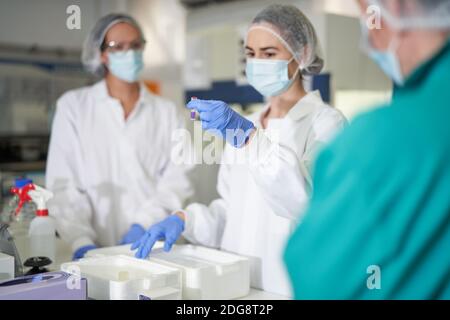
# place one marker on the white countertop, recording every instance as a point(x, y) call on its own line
point(64, 254)
point(263, 295)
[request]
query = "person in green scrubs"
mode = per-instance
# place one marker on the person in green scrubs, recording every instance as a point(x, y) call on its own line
point(378, 225)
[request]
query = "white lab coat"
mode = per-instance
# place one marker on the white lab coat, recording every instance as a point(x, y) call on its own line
point(107, 172)
point(259, 206)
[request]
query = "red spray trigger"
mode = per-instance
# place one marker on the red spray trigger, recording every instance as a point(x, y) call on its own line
point(23, 196)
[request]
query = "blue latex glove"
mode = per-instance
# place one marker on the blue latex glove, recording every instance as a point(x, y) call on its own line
point(135, 232)
point(82, 251)
point(170, 229)
point(217, 116)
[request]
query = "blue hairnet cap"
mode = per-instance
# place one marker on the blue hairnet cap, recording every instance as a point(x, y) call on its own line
point(91, 55)
point(296, 32)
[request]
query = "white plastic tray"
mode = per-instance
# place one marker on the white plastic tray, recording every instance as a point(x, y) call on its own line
point(126, 278)
point(115, 251)
point(208, 274)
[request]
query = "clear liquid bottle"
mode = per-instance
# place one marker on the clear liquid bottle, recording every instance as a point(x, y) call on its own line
point(42, 230)
point(42, 236)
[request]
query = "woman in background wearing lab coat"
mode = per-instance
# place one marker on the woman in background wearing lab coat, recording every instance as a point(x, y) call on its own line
point(109, 160)
point(261, 201)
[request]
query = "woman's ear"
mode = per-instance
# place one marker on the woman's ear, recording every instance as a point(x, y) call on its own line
point(104, 58)
point(293, 67)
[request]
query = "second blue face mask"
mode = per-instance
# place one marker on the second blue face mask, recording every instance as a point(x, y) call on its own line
point(269, 77)
point(386, 60)
point(126, 65)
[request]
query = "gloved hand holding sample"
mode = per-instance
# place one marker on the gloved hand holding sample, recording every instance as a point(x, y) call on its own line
point(218, 117)
point(169, 230)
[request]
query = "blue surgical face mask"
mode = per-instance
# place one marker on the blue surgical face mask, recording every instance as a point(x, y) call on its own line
point(126, 65)
point(269, 77)
point(386, 60)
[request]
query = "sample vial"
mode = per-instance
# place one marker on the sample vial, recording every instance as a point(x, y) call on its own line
point(193, 112)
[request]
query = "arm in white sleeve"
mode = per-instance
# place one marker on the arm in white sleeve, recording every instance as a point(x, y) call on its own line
point(174, 186)
point(70, 205)
point(284, 175)
point(205, 224)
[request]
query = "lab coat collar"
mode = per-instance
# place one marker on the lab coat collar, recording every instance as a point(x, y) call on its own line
point(305, 106)
point(100, 91)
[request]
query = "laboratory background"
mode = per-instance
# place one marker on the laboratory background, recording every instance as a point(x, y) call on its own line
point(194, 48)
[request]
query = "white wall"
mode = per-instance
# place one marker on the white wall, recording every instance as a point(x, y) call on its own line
point(341, 7)
point(351, 68)
point(43, 22)
point(163, 22)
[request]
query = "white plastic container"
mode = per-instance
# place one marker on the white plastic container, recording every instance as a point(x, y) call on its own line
point(6, 267)
point(208, 274)
point(42, 228)
point(116, 251)
point(126, 278)
point(42, 237)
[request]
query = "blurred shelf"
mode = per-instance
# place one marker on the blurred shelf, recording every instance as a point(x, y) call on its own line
point(22, 166)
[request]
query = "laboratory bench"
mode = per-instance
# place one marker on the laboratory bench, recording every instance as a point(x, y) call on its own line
point(63, 254)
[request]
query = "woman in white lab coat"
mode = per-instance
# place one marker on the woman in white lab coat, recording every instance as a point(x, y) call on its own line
point(109, 163)
point(261, 200)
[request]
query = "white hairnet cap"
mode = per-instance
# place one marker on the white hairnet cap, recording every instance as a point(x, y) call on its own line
point(91, 55)
point(415, 14)
point(296, 32)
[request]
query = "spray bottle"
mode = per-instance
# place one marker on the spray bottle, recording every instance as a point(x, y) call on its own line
point(19, 224)
point(20, 191)
point(42, 227)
